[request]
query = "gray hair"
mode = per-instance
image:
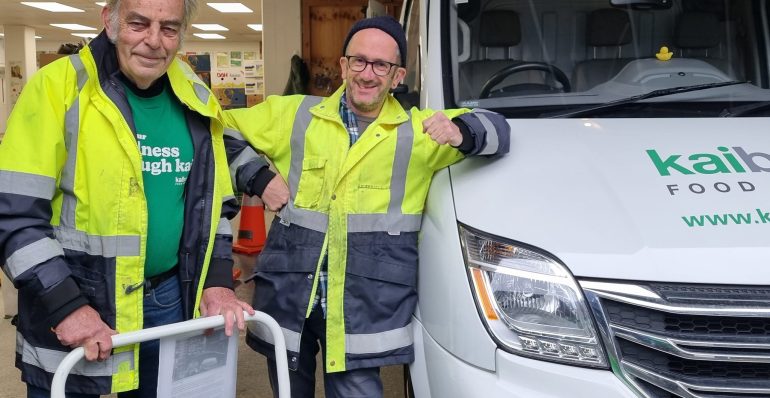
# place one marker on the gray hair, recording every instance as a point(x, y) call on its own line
point(190, 8)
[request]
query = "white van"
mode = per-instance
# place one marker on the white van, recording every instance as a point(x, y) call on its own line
point(622, 248)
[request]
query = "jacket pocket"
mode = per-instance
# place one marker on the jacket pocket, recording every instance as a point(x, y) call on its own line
point(97, 286)
point(311, 182)
point(380, 287)
point(372, 198)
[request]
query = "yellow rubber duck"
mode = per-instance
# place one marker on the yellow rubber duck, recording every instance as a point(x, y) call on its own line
point(664, 54)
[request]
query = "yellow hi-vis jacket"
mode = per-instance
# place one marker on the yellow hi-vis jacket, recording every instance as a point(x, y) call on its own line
point(73, 228)
point(360, 206)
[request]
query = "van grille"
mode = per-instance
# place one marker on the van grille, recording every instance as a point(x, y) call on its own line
point(686, 341)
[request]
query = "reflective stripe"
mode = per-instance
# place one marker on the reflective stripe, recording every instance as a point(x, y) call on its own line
point(72, 128)
point(309, 219)
point(301, 122)
point(67, 184)
point(202, 93)
point(49, 360)
point(95, 245)
point(27, 184)
point(234, 134)
point(384, 222)
point(224, 227)
point(314, 220)
point(247, 155)
point(398, 176)
point(263, 333)
point(80, 70)
point(374, 343)
point(31, 255)
point(492, 140)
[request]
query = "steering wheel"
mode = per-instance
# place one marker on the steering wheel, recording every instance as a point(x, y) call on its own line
point(500, 75)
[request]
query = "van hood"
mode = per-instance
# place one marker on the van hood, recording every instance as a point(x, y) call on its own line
point(676, 200)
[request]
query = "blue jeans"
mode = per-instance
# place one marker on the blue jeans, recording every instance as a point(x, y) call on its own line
point(162, 305)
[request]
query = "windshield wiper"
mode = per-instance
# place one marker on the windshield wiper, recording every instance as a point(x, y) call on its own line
point(636, 98)
point(745, 109)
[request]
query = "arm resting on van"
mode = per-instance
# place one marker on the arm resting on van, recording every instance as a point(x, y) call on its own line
point(484, 133)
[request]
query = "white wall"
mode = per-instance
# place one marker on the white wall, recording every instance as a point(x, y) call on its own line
point(214, 46)
point(282, 38)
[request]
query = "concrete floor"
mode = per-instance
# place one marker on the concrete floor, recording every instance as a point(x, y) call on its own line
point(252, 369)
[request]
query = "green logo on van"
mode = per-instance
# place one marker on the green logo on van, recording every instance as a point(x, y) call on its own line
point(729, 160)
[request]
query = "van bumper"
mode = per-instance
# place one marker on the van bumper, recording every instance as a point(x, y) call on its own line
point(438, 373)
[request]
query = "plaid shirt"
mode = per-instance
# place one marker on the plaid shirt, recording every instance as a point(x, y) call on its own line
point(351, 124)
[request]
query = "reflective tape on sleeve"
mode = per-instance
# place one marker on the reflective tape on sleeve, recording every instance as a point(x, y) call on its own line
point(27, 184)
point(31, 255)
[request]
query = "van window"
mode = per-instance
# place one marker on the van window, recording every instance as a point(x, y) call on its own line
point(552, 58)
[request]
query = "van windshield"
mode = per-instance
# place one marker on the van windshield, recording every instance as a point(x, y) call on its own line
point(569, 58)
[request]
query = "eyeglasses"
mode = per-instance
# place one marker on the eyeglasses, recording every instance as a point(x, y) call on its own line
point(358, 64)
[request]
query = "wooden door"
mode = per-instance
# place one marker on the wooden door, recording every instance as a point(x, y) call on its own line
point(325, 23)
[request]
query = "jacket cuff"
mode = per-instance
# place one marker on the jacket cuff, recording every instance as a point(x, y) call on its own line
point(260, 180)
point(220, 274)
point(469, 140)
point(62, 300)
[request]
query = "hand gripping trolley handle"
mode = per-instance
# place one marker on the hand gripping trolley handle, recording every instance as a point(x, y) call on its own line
point(119, 340)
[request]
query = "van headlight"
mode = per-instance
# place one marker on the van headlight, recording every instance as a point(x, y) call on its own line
point(530, 302)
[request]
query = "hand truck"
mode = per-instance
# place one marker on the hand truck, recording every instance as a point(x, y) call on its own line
point(138, 336)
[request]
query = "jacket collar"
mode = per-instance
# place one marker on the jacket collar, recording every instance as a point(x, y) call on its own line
point(185, 84)
point(391, 112)
point(105, 57)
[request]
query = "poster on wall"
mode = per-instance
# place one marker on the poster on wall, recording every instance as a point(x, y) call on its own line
point(254, 86)
point(223, 60)
point(249, 68)
point(17, 80)
point(236, 59)
point(229, 85)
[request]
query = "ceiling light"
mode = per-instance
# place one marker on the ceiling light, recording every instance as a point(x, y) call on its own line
point(211, 27)
point(101, 3)
point(229, 7)
point(209, 35)
point(72, 26)
point(85, 35)
point(3, 35)
point(51, 6)
point(255, 26)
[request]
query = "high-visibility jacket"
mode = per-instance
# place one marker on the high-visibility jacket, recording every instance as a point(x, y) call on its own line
point(361, 206)
point(73, 224)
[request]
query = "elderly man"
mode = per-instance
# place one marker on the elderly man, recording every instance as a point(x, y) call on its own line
point(339, 266)
point(114, 195)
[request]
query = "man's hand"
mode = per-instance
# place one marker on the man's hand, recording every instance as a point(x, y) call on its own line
point(276, 193)
point(222, 301)
point(442, 130)
point(84, 327)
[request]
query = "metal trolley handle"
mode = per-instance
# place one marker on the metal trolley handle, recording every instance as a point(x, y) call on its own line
point(119, 340)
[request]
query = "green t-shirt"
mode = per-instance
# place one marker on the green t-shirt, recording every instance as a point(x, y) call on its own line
point(167, 154)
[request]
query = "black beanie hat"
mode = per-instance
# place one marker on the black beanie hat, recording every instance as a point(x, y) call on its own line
point(386, 24)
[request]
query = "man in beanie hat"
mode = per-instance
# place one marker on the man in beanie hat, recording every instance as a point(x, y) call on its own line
point(339, 266)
